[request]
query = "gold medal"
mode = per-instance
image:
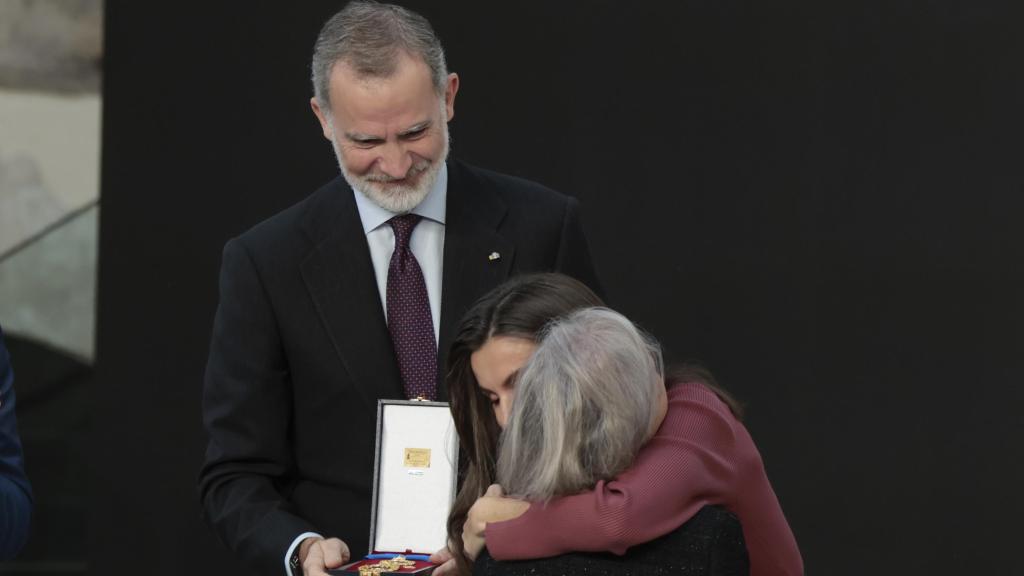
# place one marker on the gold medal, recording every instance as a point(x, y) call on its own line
point(395, 564)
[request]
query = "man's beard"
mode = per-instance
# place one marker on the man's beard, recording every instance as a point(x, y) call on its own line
point(397, 198)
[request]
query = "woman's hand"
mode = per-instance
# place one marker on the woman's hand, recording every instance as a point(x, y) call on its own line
point(491, 507)
point(446, 564)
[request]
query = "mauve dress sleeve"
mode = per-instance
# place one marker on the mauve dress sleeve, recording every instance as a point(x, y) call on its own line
point(700, 456)
point(692, 461)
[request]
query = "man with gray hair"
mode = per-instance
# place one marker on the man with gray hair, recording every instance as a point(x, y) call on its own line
point(353, 294)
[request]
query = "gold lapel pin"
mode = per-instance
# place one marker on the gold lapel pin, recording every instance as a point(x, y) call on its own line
point(493, 256)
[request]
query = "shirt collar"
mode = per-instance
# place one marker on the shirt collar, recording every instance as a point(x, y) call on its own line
point(432, 207)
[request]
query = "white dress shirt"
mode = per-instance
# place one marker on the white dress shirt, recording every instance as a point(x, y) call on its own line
point(427, 244)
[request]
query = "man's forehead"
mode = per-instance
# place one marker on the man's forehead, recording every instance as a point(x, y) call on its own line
point(347, 69)
point(388, 114)
point(402, 89)
point(343, 72)
point(396, 105)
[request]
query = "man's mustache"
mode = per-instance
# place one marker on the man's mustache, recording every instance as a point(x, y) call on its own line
point(414, 170)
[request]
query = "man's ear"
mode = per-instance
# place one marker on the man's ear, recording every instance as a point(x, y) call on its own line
point(449, 94)
point(325, 122)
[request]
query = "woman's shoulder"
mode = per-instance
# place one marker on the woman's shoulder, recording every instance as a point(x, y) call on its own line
point(695, 409)
point(696, 392)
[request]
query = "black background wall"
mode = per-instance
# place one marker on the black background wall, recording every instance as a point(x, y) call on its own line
point(819, 200)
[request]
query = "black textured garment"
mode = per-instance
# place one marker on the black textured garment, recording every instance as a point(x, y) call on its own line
point(710, 544)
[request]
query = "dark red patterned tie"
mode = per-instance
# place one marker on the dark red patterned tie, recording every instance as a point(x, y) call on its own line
point(409, 320)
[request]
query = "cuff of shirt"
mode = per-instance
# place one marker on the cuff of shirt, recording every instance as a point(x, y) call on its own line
point(291, 550)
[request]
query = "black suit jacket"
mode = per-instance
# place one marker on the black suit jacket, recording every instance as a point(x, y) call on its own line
point(300, 351)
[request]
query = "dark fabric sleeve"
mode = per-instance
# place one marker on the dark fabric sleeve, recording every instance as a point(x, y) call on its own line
point(246, 412)
point(15, 493)
point(709, 544)
point(573, 251)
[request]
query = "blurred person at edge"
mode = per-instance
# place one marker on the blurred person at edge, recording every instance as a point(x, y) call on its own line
point(700, 453)
point(15, 492)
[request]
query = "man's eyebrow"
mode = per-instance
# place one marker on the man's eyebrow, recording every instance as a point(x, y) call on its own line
point(415, 128)
point(359, 137)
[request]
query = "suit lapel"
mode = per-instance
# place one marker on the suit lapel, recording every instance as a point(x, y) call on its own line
point(476, 257)
point(339, 275)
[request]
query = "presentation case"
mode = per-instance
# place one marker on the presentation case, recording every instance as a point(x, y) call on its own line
point(415, 476)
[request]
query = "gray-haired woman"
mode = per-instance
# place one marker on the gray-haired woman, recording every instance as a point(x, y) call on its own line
point(591, 394)
point(588, 398)
point(701, 454)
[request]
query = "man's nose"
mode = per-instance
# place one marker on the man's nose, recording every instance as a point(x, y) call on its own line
point(395, 161)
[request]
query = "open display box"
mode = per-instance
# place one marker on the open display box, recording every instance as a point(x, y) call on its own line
point(415, 477)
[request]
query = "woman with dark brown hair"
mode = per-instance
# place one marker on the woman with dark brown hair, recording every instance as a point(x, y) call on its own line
point(700, 454)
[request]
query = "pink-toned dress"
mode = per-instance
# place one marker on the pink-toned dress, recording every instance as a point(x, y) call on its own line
point(701, 455)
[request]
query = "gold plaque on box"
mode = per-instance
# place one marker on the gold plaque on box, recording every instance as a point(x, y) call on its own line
point(417, 457)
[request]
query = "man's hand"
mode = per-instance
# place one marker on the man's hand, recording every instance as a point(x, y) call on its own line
point(319, 555)
point(446, 562)
point(491, 507)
